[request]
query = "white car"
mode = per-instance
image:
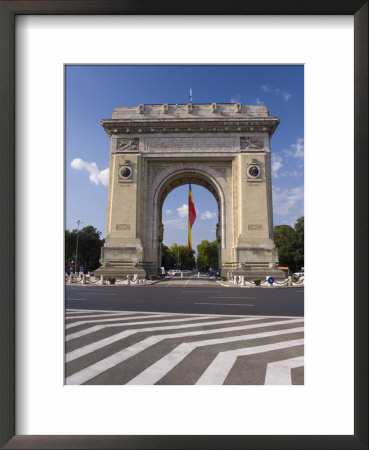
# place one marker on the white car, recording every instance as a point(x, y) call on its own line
point(174, 273)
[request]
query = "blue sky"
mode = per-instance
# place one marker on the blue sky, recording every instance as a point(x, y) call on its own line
point(92, 92)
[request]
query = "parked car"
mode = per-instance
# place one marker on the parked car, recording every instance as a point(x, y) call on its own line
point(212, 273)
point(174, 273)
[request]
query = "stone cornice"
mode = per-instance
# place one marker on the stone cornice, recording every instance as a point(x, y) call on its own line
point(189, 125)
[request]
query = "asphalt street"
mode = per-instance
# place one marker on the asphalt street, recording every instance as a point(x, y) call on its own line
point(189, 296)
point(126, 347)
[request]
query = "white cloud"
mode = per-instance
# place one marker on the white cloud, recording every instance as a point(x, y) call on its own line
point(265, 88)
point(296, 150)
point(207, 215)
point(178, 224)
point(259, 102)
point(168, 211)
point(96, 176)
point(289, 200)
point(183, 210)
point(286, 96)
point(276, 164)
point(292, 173)
point(236, 98)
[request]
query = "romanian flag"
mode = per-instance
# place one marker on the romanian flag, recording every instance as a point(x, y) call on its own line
point(191, 216)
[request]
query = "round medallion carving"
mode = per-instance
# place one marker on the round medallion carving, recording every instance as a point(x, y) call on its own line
point(253, 171)
point(125, 172)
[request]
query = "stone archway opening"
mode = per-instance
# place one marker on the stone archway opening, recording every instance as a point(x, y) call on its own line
point(173, 226)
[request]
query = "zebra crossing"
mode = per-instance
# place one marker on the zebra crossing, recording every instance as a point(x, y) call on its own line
point(146, 348)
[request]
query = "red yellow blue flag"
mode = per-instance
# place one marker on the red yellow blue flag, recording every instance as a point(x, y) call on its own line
point(191, 216)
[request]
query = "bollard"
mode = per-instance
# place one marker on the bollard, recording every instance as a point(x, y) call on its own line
point(289, 281)
point(83, 279)
point(128, 279)
point(198, 274)
point(181, 274)
point(101, 280)
point(135, 278)
point(242, 280)
point(70, 278)
point(234, 279)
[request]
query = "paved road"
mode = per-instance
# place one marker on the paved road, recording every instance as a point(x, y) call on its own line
point(127, 347)
point(189, 295)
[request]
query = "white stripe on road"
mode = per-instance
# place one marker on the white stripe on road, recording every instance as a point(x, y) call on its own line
point(100, 327)
point(69, 317)
point(96, 293)
point(279, 372)
point(159, 369)
point(245, 298)
point(111, 361)
point(82, 351)
point(83, 322)
point(218, 370)
point(76, 299)
point(202, 292)
point(75, 310)
point(180, 314)
point(222, 304)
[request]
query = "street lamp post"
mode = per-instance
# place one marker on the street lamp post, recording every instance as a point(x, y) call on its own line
point(75, 264)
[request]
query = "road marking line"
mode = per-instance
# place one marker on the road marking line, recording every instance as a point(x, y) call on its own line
point(77, 299)
point(218, 370)
point(185, 314)
point(111, 361)
point(279, 372)
point(100, 327)
point(202, 292)
point(159, 369)
point(96, 293)
point(78, 334)
point(221, 304)
point(115, 311)
point(70, 317)
point(83, 322)
point(82, 351)
point(248, 298)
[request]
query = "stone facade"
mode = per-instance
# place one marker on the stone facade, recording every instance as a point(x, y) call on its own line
point(223, 147)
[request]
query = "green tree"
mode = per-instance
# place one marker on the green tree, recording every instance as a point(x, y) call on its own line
point(182, 257)
point(299, 250)
point(290, 243)
point(207, 255)
point(167, 258)
point(89, 246)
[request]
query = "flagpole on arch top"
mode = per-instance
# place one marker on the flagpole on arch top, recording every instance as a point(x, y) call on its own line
point(190, 97)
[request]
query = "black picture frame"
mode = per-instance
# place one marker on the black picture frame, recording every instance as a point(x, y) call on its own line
point(8, 11)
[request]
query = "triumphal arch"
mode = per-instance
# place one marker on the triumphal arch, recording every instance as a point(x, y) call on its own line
point(222, 147)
